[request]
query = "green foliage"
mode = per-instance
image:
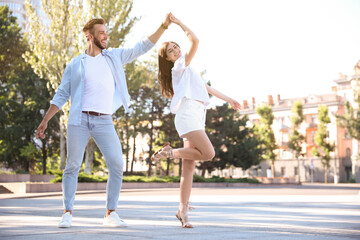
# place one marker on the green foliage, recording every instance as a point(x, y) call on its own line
point(56, 172)
point(167, 179)
point(134, 174)
point(352, 180)
point(197, 178)
point(324, 148)
point(147, 107)
point(12, 45)
point(234, 142)
point(296, 138)
point(99, 164)
point(30, 151)
point(22, 95)
point(350, 120)
point(265, 132)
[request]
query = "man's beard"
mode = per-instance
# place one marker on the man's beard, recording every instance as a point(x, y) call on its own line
point(98, 44)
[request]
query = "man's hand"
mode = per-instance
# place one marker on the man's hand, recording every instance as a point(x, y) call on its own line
point(174, 19)
point(167, 21)
point(41, 129)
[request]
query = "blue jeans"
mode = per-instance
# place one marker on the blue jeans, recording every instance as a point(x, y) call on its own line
point(102, 130)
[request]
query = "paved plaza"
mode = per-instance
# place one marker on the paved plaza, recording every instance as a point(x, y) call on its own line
point(259, 212)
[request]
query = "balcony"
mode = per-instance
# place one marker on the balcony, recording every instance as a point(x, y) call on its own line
point(311, 125)
point(284, 128)
point(283, 145)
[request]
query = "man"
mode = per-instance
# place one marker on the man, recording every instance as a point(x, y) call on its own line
point(96, 83)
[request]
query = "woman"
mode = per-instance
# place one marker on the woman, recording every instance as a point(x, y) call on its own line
point(189, 94)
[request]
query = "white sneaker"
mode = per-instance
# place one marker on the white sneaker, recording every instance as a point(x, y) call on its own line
point(65, 221)
point(113, 220)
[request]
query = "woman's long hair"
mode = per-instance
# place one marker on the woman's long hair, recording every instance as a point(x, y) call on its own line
point(164, 75)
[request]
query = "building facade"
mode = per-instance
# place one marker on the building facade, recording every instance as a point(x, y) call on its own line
point(344, 163)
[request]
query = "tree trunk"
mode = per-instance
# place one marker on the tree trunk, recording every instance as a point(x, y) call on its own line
point(180, 166)
point(168, 166)
point(89, 156)
point(62, 145)
point(150, 148)
point(326, 173)
point(27, 166)
point(151, 139)
point(133, 155)
point(298, 176)
point(127, 139)
point(44, 155)
point(273, 168)
point(203, 171)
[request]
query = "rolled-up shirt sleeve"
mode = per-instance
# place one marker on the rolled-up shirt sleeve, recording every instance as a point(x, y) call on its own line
point(130, 54)
point(64, 90)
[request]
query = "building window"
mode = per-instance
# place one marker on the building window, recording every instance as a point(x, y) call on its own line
point(348, 173)
point(313, 137)
point(283, 171)
point(296, 171)
point(347, 135)
point(348, 153)
point(313, 118)
point(281, 120)
point(285, 137)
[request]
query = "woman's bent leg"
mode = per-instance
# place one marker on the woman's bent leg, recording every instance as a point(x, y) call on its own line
point(201, 149)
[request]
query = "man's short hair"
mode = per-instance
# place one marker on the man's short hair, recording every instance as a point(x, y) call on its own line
point(90, 24)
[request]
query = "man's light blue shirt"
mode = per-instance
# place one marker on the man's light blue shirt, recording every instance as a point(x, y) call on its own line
point(72, 82)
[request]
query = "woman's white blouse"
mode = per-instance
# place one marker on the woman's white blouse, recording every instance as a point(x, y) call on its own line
point(187, 83)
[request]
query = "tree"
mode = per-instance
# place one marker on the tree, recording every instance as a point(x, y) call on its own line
point(265, 132)
point(245, 147)
point(156, 105)
point(122, 127)
point(12, 45)
point(296, 138)
point(55, 38)
point(137, 75)
point(323, 147)
point(234, 142)
point(147, 108)
point(22, 96)
point(153, 104)
point(350, 120)
point(166, 134)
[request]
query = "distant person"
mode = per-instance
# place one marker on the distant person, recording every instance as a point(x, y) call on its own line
point(189, 94)
point(95, 82)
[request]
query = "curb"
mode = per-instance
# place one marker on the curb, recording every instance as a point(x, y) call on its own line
point(33, 190)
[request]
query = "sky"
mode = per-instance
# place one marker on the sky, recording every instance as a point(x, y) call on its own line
point(256, 48)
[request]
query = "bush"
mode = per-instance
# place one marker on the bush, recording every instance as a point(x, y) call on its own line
point(82, 178)
point(150, 179)
point(216, 179)
point(352, 180)
point(198, 178)
point(134, 173)
point(167, 179)
point(57, 172)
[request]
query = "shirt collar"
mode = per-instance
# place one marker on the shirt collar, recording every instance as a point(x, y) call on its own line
point(104, 52)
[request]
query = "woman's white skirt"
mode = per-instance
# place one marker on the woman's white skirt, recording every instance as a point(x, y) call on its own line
point(190, 116)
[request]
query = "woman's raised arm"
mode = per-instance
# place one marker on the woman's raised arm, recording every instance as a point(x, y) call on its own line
point(194, 41)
